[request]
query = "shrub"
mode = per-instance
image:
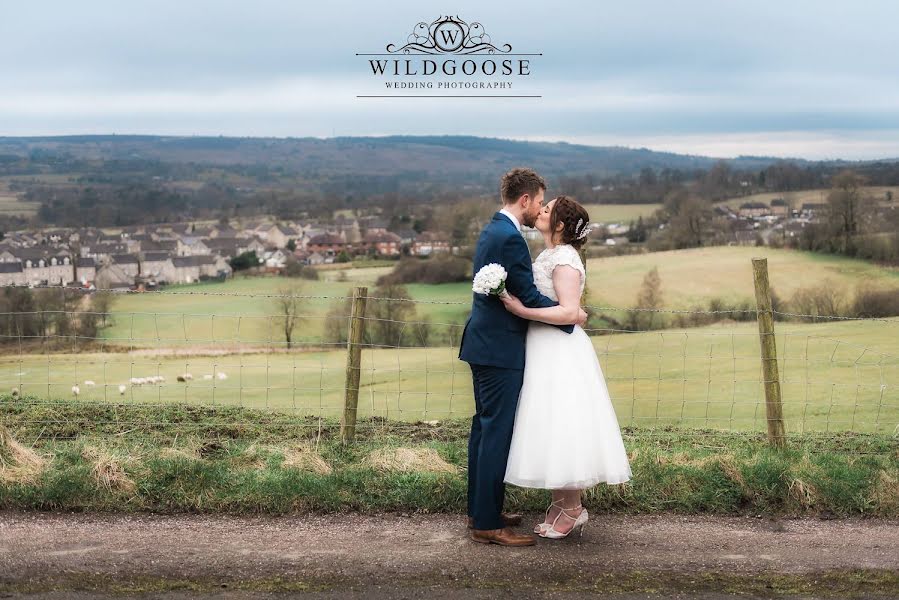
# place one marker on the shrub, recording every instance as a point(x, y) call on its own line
point(438, 269)
point(871, 302)
point(295, 268)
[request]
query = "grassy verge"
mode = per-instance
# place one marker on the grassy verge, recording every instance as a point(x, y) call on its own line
point(177, 458)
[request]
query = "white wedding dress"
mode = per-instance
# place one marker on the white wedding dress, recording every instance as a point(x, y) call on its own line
point(566, 433)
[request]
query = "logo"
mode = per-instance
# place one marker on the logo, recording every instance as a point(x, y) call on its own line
point(452, 57)
point(448, 35)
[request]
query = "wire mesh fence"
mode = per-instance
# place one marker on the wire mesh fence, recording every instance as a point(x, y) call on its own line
point(288, 352)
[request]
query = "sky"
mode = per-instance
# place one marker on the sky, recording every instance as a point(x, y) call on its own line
point(792, 78)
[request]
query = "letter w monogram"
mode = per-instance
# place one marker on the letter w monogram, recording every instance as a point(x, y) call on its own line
point(449, 37)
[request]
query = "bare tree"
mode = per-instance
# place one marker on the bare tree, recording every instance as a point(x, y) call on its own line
point(847, 208)
point(101, 302)
point(649, 299)
point(288, 304)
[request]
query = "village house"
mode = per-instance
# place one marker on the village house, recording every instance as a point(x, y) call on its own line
point(102, 251)
point(157, 267)
point(85, 270)
point(12, 273)
point(192, 246)
point(128, 263)
point(382, 243)
point(279, 235)
point(813, 210)
point(754, 209)
point(111, 276)
point(190, 269)
point(780, 207)
point(430, 242)
point(274, 258)
point(327, 244)
point(41, 266)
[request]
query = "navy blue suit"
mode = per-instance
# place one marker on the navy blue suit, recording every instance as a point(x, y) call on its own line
point(493, 344)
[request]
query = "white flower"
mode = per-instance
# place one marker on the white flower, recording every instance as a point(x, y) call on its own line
point(490, 280)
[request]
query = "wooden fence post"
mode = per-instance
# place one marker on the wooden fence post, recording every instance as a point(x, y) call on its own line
point(773, 406)
point(353, 365)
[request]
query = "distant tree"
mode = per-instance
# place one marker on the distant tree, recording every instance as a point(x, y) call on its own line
point(289, 305)
point(101, 302)
point(343, 257)
point(244, 261)
point(291, 245)
point(846, 207)
point(649, 299)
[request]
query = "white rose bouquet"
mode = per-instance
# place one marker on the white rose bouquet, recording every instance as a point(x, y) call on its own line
point(490, 280)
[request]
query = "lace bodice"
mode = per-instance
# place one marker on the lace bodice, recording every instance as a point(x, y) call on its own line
point(548, 260)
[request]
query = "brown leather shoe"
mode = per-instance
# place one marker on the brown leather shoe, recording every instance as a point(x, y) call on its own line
point(509, 520)
point(503, 537)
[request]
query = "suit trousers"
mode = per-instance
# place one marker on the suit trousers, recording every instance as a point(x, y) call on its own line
point(496, 391)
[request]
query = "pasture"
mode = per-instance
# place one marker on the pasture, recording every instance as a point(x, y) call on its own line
point(693, 276)
point(619, 213)
point(798, 198)
point(237, 313)
point(835, 377)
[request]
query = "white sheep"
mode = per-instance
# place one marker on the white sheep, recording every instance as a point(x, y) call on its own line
point(76, 390)
point(133, 381)
point(221, 375)
point(122, 389)
point(207, 377)
point(185, 377)
point(89, 383)
point(15, 392)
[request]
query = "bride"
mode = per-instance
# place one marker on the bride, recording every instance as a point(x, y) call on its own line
point(566, 435)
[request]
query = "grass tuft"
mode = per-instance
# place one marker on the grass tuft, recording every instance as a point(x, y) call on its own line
point(408, 460)
point(108, 469)
point(18, 464)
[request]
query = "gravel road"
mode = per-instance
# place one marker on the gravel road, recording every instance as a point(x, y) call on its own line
point(59, 555)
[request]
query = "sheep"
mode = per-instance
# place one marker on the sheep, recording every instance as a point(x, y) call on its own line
point(122, 389)
point(15, 392)
point(76, 390)
point(185, 377)
point(141, 381)
point(207, 377)
point(89, 383)
point(133, 381)
point(221, 375)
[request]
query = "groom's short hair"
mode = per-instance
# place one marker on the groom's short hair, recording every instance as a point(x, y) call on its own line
point(518, 182)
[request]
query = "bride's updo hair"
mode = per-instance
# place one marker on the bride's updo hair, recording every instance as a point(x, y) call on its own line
point(569, 212)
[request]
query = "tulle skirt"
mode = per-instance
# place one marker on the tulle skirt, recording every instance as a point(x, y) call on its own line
point(566, 433)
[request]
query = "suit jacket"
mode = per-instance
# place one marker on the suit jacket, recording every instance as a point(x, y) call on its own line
point(493, 336)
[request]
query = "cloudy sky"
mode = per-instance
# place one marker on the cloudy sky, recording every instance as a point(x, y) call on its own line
point(815, 79)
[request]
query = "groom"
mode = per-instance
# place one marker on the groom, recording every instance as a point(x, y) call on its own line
point(493, 344)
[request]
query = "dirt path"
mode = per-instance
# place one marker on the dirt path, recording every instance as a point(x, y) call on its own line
point(430, 556)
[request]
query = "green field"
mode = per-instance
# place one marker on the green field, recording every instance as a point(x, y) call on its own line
point(798, 198)
point(693, 276)
point(836, 377)
point(223, 315)
point(620, 213)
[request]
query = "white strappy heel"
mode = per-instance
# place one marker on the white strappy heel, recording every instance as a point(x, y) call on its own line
point(541, 527)
point(579, 521)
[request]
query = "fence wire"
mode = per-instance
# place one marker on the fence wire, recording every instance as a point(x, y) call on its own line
point(288, 353)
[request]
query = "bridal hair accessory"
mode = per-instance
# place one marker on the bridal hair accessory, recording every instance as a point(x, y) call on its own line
point(579, 233)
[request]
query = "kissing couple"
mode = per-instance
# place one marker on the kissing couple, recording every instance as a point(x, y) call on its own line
point(543, 417)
